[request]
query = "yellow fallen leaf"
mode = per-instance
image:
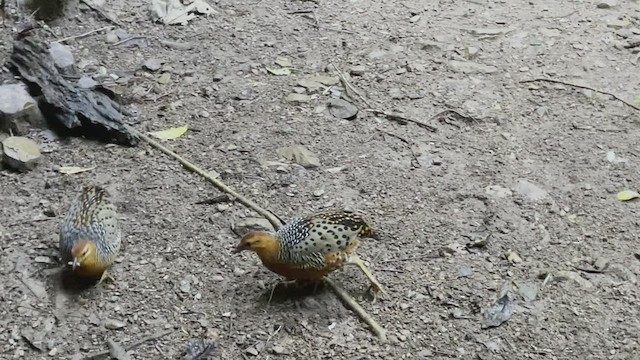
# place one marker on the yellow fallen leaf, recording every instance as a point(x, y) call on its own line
point(170, 133)
point(627, 195)
point(74, 169)
point(279, 72)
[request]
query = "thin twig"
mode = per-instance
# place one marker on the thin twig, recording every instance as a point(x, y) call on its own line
point(402, 119)
point(350, 302)
point(390, 116)
point(131, 346)
point(556, 81)
point(84, 34)
point(132, 37)
point(349, 87)
point(217, 183)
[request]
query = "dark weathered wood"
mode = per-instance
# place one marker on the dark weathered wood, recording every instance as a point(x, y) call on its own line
point(82, 112)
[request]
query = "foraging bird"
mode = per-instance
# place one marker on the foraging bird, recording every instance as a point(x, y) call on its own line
point(90, 236)
point(309, 248)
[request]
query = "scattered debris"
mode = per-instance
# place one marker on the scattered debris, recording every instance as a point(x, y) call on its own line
point(572, 275)
point(501, 310)
point(152, 64)
point(170, 134)
point(497, 191)
point(36, 287)
point(20, 153)
point(301, 155)
point(172, 12)
point(200, 349)
point(18, 110)
point(527, 290)
point(357, 70)
point(279, 72)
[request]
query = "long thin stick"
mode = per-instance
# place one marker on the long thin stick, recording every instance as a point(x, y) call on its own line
point(343, 295)
point(133, 345)
point(83, 35)
point(556, 81)
point(362, 313)
point(390, 116)
point(217, 183)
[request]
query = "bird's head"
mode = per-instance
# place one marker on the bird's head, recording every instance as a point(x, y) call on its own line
point(81, 252)
point(259, 242)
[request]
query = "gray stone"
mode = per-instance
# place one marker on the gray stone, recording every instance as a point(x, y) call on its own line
point(497, 191)
point(396, 94)
point(20, 153)
point(311, 86)
point(606, 4)
point(152, 64)
point(112, 37)
point(342, 109)
point(61, 55)
point(469, 67)
point(243, 226)
point(18, 110)
point(301, 155)
point(357, 70)
point(87, 82)
point(618, 24)
point(530, 190)
point(325, 80)
point(294, 98)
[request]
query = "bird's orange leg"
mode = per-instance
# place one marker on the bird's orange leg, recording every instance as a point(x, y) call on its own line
point(106, 276)
point(375, 285)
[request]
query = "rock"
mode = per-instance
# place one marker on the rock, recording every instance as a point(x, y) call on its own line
point(618, 24)
point(357, 70)
point(243, 226)
point(469, 67)
point(87, 82)
point(497, 191)
point(112, 37)
point(294, 98)
point(165, 78)
point(18, 110)
point(606, 4)
point(311, 86)
point(530, 190)
point(513, 257)
point(283, 62)
point(377, 54)
point(61, 55)
point(622, 273)
point(396, 93)
point(431, 45)
point(325, 80)
point(185, 286)
point(152, 64)
point(300, 155)
point(113, 324)
point(318, 193)
point(470, 52)
point(572, 275)
point(342, 109)
point(20, 153)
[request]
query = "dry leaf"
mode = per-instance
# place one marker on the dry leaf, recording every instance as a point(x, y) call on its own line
point(279, 72)
point(627, 195)
point(170, 133)
point(74, 169)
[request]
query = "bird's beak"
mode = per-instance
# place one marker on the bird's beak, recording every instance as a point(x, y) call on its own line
point(75, 263)
point(238, 249)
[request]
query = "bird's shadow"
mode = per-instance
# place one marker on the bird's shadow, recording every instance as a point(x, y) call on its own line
point(282, 292)
point(73, 284)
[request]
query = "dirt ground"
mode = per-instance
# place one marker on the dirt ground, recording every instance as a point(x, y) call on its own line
point(519, 186)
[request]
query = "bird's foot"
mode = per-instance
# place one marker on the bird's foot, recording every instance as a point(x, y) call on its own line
point(106, 276)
